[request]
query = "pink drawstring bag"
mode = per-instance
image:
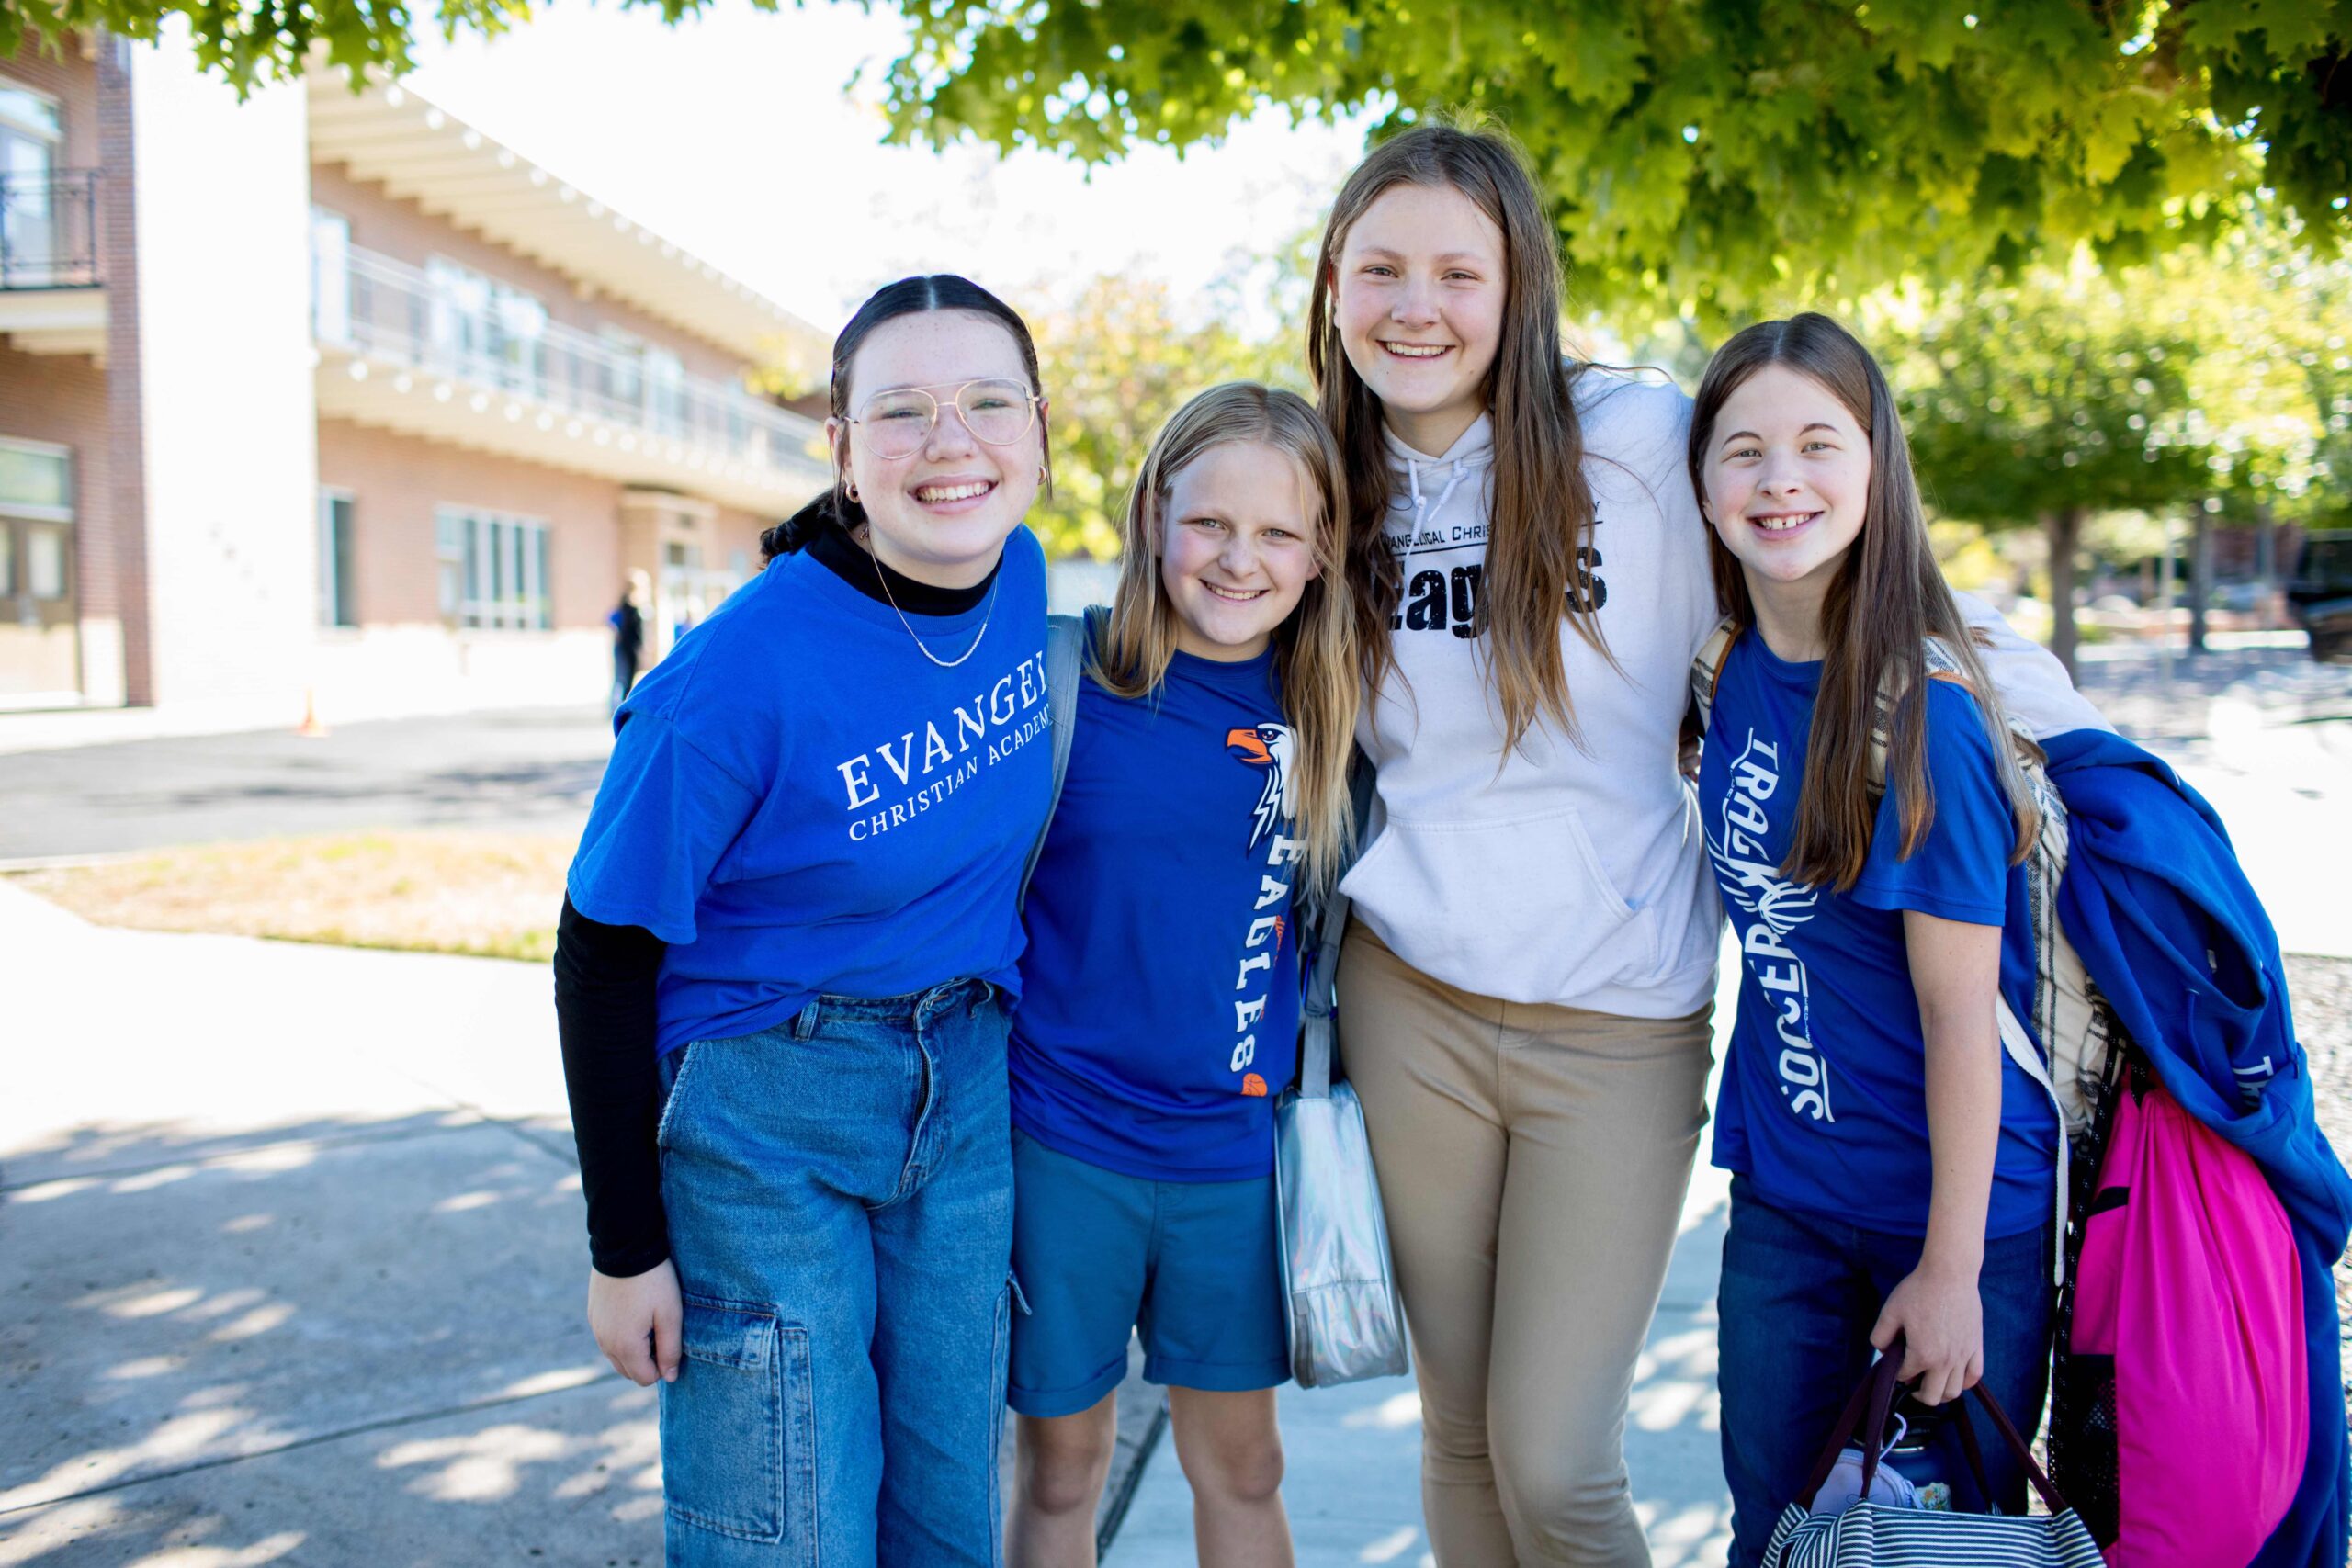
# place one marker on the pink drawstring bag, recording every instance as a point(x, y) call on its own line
point(2189, 1309)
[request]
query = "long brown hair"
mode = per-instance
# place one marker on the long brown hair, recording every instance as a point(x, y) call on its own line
point(1315, 645)
point(1887, 598)
point(1542, 507)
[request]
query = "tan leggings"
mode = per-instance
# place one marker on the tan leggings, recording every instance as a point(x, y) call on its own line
point(1533, 1161)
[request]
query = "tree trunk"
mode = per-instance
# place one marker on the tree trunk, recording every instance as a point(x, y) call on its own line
point(2063, 528)
point(2200, 577)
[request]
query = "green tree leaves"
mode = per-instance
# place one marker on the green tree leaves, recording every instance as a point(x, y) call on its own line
point(1725, 159)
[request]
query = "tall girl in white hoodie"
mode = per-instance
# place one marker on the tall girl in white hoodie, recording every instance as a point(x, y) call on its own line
point(1526, 987)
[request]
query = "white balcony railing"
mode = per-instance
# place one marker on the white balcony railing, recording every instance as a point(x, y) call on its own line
point(383, 310)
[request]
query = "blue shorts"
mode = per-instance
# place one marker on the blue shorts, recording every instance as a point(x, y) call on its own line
point(1189, 1264)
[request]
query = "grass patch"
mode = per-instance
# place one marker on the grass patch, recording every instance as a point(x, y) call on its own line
point(493, 895)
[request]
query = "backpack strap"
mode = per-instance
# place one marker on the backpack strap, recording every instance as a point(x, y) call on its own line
point(1707, 669)
point(1065, 668)
point(2045, 866)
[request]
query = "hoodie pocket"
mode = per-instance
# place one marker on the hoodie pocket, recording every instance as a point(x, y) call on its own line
point(1520, 908)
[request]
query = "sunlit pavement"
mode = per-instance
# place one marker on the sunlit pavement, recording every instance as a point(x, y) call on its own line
point(290, 1264)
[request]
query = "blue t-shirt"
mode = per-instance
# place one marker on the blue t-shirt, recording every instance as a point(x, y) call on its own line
point(801, 804)
point(1824, 1102)
point(1160, 993)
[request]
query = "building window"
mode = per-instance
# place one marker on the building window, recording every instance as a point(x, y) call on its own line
point(449, 534)
point(36, 481)
point(45, 562)
point(331, 277)
point(490, 330)
point(494, 570)
point(336, 605)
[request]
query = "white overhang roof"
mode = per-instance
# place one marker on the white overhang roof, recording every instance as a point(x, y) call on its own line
point(421, 151)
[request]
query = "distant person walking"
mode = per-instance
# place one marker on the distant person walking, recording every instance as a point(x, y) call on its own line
point(627, 622)
point(787, 956)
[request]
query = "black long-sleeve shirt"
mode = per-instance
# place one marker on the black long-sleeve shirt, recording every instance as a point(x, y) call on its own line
point(605, 1012)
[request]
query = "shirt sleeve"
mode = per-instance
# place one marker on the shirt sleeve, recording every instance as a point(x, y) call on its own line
point(1960, 871)
point(607, 1020)
point(665, 814)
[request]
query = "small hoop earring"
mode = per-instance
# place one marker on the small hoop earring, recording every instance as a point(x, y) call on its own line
point(851, 492)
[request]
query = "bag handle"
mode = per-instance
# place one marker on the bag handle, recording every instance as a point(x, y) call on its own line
point(1877, 1391)
point(2034, 1474)
point(1330, 924)
point(1874, 1393)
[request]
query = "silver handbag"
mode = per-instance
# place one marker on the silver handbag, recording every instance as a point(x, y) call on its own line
point(1344, 1320)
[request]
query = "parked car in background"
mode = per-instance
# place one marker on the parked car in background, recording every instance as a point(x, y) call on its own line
point(2320, 595)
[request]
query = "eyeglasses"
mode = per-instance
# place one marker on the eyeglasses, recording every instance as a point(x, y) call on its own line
point(897, 422)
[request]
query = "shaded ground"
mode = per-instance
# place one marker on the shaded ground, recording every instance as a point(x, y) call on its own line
point(434, 890)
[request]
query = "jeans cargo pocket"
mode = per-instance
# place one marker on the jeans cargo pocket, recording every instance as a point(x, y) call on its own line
point(738, 1430)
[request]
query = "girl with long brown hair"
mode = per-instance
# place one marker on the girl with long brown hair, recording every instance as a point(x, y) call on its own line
point(1207, 779)
point(1893, 1168)
point(1528, 979)
point(1527, 983)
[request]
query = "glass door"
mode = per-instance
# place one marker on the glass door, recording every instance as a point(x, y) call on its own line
point(39, 634)
point(29, 132)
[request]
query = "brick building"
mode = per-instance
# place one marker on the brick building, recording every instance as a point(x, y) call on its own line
point(329, 396)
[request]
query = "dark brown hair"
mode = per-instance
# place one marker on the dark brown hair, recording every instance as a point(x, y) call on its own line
point(831, 507)
point(1887, 598)
point(1543, 510)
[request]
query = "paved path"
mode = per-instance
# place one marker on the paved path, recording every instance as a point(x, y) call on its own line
point(290, 1259)
point(534, 771)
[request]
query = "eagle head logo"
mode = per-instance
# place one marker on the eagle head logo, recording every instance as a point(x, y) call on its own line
point(1266, 746)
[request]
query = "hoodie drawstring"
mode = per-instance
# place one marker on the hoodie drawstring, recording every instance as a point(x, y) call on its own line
point(1423, 510)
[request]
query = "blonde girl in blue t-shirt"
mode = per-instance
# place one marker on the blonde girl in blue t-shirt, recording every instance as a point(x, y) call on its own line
point(1207, 785)
point(1893, 1169)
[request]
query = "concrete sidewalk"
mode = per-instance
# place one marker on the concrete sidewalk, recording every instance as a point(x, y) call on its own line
point(290, 1254)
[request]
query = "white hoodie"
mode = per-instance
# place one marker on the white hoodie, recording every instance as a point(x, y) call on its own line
point(1552, 874)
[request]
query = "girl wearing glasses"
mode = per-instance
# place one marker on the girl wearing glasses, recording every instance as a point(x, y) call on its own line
point(782, 976)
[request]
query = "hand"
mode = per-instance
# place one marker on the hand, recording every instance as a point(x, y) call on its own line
point(1942, 1322)
point(636, 1322)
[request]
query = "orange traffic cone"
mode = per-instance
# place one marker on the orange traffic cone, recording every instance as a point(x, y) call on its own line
point(311, 727)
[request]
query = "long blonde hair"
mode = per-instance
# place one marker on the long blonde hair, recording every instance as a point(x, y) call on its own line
point(1314, 649)
point(1539, 549)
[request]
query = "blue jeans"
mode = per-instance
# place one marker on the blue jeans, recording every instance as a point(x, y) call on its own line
point(1799, 1296)
point(840, 1197)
